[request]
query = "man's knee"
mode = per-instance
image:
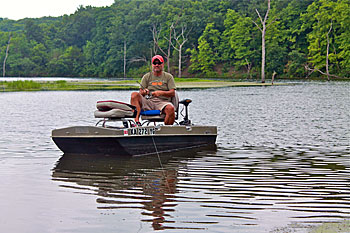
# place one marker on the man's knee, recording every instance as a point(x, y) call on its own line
point(135, 96)
point(169, 109)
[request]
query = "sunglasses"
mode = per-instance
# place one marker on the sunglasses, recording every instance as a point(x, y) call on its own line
point(157, 63)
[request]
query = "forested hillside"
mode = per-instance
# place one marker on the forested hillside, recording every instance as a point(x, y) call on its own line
point(208, 38)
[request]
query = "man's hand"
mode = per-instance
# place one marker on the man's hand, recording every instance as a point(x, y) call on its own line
point(157, 93)
point(144, 92)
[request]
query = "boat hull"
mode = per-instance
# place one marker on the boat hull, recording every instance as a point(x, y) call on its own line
point(132, 141)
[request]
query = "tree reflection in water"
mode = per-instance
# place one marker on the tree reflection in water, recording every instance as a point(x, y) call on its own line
point(127, 182)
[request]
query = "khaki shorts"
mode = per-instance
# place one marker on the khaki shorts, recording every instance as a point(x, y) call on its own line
point(154, 104)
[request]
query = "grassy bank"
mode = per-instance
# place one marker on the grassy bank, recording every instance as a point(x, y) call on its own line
point(343, 226)
point(337, 227)
point(189, 83)
point(59, 86)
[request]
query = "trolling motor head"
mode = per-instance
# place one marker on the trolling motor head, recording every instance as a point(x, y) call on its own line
point(185, 102)
point(185, 121)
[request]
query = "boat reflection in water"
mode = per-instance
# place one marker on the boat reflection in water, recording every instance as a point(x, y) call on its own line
point(145, 182)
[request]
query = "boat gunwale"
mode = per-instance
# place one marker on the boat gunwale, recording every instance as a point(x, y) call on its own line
point(57, 133)
point(126, 136)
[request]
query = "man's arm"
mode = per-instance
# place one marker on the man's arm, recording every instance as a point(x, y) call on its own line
point(144, 88)
point(170, 93)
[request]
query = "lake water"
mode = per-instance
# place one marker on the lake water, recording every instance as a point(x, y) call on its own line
point(282, 164)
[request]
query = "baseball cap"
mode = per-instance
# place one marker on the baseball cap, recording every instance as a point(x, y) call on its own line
point(160, 58)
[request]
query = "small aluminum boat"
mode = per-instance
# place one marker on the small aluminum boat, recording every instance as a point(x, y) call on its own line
point(129, 139)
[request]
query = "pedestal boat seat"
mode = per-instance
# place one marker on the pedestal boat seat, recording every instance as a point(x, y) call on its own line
point(111, 110)
point(154, 116)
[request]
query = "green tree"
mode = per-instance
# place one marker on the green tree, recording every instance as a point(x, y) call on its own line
point(19, 62)
point(78, 28)
point(241, 37)
point(207, 55)
point(33, 31)
point(96, 50)
point(110, 41)
point(68, 63)
point(342, 14)
point(295, 41)
point(40, 58)
point(322, 39)
point(276, 49)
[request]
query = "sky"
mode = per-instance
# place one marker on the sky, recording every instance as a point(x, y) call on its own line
point(19, 9)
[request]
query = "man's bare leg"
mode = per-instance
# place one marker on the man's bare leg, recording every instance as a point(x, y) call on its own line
point(136, 101)
point(169, 111)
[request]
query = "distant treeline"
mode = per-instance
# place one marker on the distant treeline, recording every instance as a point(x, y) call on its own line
point(212, 38)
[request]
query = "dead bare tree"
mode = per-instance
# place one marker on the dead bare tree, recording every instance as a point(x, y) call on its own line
point(169, 45)
point(180, 41)
point(273, 77)
point(156, 46)
point(6, 55)
point(263, 33)
point(327, 54)
point(138, 59)
point(156, 35)
point(311, 70)
point(249, 67)
point(124, 58)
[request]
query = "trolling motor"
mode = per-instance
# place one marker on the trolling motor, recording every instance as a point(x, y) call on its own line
point(185, 121)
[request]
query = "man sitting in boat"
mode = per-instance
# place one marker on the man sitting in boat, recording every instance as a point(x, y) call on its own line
point(157, 88)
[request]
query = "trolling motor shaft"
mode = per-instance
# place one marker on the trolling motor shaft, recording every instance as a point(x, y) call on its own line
point(186, 120)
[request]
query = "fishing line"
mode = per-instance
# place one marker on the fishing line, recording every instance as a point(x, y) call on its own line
point(160, 162)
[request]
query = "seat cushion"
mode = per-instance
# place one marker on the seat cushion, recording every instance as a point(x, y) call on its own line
point(107, 105)
point(113, 113)
point(150, 113)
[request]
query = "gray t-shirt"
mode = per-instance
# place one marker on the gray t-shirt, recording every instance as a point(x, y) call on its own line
point(164, 82)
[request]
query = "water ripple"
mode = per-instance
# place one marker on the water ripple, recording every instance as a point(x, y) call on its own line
point(243, 187)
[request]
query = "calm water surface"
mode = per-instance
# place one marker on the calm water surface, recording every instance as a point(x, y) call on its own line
point(282, 161)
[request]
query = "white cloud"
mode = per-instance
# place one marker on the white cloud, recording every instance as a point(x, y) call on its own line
point(19, 9)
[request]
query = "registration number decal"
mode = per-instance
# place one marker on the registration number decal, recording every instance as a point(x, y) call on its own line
point(142, 131)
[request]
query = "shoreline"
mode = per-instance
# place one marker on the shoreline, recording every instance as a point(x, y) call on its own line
point(79, 85)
